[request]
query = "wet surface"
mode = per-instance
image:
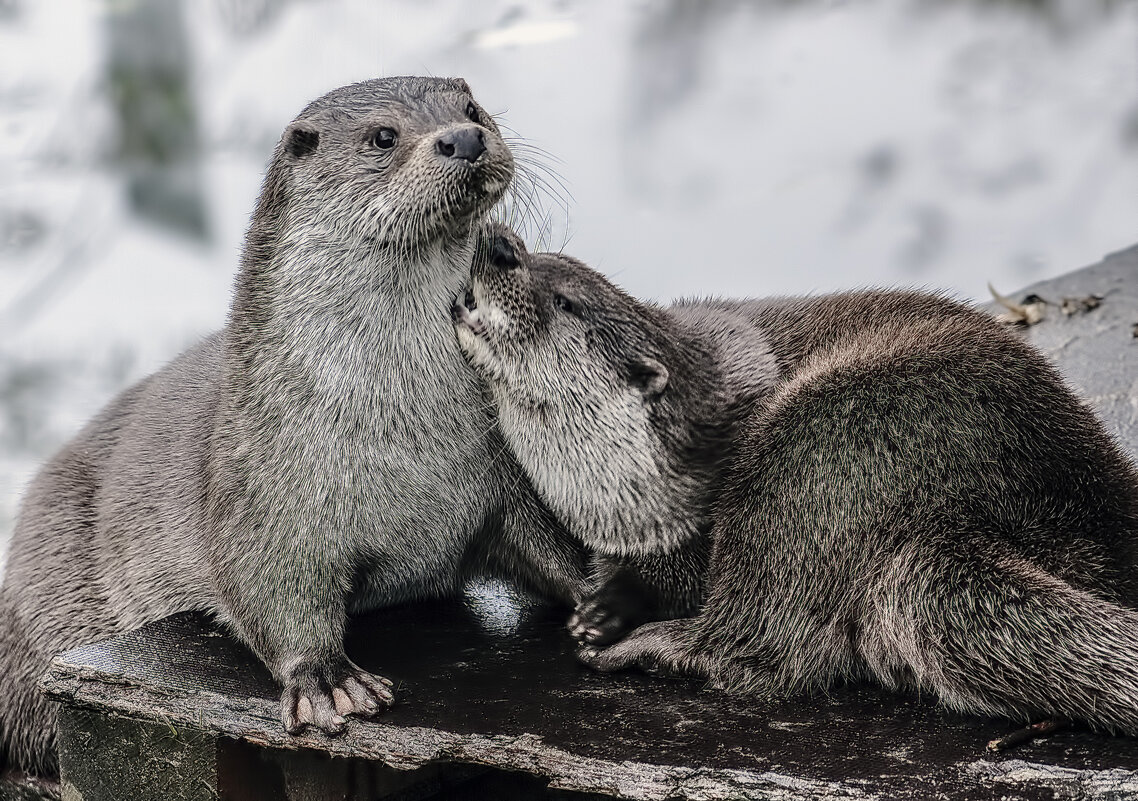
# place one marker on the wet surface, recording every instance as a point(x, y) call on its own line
point(453, 673)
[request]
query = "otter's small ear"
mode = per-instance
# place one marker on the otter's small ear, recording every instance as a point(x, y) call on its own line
point(461, 85)
point(649, 376)
point(300, 139)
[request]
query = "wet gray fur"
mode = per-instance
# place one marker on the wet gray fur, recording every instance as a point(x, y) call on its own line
point(328, 451)
point(912, 495)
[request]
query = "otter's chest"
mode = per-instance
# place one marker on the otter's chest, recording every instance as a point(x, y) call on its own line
point(398, 434)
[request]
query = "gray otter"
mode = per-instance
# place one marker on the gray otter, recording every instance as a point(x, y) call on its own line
point(328, 451)
point(894, 506)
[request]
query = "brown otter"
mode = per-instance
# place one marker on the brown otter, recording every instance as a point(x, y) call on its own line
point(328, 451)
point(887, 502)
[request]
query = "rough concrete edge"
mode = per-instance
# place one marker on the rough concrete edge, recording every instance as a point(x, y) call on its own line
point(1077, 783)
point(406, 748)
point(1124, 254)
point(1093, 271)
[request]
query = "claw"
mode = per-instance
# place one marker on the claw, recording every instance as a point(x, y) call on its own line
point(594, 622)
point(324, 697)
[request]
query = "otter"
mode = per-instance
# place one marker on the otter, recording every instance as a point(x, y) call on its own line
point(887, 502)
point(328, 451)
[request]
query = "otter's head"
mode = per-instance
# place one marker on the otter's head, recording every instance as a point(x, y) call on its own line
point(397, 163)
point(596, 393)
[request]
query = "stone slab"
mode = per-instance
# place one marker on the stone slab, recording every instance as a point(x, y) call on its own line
point(1097, 350)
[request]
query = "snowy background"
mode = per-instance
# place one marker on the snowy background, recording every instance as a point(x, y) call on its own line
point(721, 146)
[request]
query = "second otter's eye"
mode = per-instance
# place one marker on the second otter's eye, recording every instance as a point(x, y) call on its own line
point(384, 138)
point(472, 113)
point(563, 303)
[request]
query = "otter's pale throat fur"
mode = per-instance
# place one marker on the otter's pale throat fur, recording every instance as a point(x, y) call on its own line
point(910, 495)
point(328, 450)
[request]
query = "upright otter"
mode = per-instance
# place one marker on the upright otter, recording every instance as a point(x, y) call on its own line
point(329, 450)
point(915, 497)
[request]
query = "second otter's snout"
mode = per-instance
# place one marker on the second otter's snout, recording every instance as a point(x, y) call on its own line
point(498, 253)
point(502, 254)
point(465, 143)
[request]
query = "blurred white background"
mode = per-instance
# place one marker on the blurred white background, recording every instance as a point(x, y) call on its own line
point(715, 147)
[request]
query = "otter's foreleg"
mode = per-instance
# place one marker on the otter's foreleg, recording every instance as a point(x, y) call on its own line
point(285, 595)
point(621, 600)
point(324, 692)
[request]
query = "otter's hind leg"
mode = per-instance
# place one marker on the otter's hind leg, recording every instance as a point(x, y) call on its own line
point(27, 716)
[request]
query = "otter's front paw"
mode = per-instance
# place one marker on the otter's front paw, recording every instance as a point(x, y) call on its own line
point(608, 660)
point(324, 695)
point(653, 647)
point(599, 621)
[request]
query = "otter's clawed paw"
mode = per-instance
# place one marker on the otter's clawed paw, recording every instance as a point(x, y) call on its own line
point(324, 696)
point(654, 648)
point(607, 660)
point(598, 622)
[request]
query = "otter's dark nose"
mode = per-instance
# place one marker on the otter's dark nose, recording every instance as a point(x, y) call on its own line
point(502, 254)
point(462, 143)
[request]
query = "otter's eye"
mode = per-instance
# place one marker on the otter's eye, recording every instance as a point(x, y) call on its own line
point(384, 138)
point(472, 113)
point(563, 303)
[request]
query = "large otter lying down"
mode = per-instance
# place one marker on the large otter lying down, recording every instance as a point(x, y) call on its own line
point(894, 486)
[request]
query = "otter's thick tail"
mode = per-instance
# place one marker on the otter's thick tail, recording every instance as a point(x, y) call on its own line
point(993, 634)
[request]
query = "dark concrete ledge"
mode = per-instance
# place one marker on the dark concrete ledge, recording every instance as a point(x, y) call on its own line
point(492, 704)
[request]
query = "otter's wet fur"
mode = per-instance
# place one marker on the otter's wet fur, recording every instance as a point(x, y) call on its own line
point(328, 451)
point(915, 496)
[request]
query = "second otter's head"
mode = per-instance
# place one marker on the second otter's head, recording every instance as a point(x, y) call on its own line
point(396, 163)
point(597, 393)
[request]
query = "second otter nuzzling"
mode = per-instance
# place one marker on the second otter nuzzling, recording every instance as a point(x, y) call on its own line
point(884, 498)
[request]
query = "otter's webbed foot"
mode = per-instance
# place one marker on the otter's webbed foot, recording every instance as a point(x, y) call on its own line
point(615, 609)
point(323, 695)
point(654, 648)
